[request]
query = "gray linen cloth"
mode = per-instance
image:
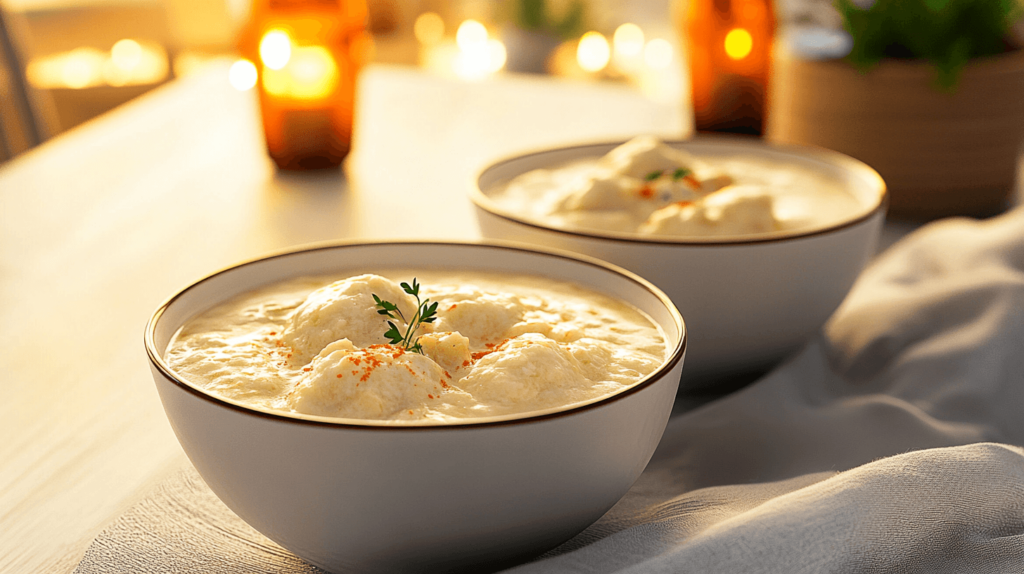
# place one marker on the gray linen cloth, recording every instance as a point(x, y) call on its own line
point(889, 444)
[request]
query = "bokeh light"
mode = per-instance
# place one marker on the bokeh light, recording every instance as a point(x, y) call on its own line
point(471, 36)
point(658, 53)
point(738, 43)
point(81, 68)
point(593, 52)
point(310, 74)
point(628, 40)
point(497, 55)
point(126, 54)
point(429, 28)
point(129, 63)
point(275, 49)
point(242, 75)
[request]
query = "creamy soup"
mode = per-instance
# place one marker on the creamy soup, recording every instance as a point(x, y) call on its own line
point(493, 345)
point(648, 188)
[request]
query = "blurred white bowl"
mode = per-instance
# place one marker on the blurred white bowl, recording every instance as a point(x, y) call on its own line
point(748, 302)
point(355, 495)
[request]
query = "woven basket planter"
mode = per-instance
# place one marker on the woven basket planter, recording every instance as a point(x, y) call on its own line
point(941, 153)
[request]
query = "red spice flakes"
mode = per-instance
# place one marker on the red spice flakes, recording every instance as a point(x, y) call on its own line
point(454, 305)
point(447, 374)
point(410, 412)
point(339, 375)
point(429, 396)
point(307, 369)
point(684, 203)
point(408, 368)
point(692, 180)
point(465, 363)
point(490, 349)
point(646, 192)
point(443, 384)
point(273, 333)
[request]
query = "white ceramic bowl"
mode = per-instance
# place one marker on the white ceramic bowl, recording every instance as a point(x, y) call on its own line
point(358, 496)
point(748, 302)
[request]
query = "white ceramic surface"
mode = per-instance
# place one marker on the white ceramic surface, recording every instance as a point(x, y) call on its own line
point(358, 496)
point(748, 302)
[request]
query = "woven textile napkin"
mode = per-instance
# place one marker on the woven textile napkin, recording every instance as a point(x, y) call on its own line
point(886, 445)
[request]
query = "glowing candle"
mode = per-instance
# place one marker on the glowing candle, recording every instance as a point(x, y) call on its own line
point(729, 44)
point(306, 54)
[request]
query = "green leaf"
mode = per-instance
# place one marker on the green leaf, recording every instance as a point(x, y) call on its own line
point(936, 5)
point(429, 312)
point(653, 175)
point(394, 334)
point(532, 14)
point(680, 173)
point(946, 33)
point(572, 25)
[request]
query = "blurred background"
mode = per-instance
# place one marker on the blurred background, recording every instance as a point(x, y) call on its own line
point(86, 57)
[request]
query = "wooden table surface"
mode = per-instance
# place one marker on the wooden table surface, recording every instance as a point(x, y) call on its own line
point(100, 225)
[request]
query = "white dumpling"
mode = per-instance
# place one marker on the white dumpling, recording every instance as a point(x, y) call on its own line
point(379, 382)
point(346, 310)
point(481, 317)
point(644, 155)
point(729, 211)
point(529, 369)
point(601, 193)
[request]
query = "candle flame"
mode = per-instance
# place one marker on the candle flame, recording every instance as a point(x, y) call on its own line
point(275, 49)
point(738, 43)
point(310, 74)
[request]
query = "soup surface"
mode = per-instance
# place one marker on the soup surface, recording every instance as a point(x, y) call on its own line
point(647, 188)
point(492, 345)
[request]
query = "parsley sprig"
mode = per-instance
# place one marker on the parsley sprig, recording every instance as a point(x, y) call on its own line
point(426, 312)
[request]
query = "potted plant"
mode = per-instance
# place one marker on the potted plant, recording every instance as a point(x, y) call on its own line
point(534, 29)
point(931, 95)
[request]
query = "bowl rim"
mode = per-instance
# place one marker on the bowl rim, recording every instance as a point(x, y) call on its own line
point(484, 202)
point(673, 358)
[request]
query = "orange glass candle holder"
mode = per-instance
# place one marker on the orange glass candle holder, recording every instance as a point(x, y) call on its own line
point(307, 55)
point(729, 47)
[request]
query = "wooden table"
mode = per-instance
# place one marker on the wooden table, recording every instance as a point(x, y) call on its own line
point(100, 225)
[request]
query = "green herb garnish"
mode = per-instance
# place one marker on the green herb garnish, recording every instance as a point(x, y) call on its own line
point(680, 173)
point(426, 312)
point(653, 175)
